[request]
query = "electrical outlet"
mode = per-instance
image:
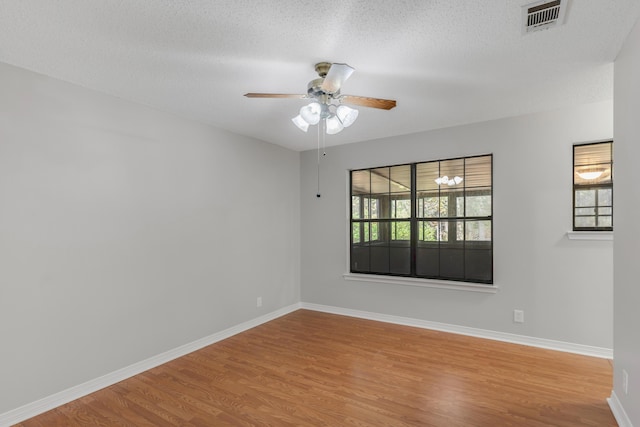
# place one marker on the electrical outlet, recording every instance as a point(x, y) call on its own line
point(625, 382)
point(518, 316)
point(259, 302)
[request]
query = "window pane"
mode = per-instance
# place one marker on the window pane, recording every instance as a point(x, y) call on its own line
point(479, 231)
point(428, 231)
point(428, 261)
point(355, 207)
point(400, 230)
point(400, 260)
point(460, 231)
point(604, 221)
point(380, 181)
point(401, 208)
point(585, 211)
point(589, 154)
point(452, 174)
point(478, 205)
point(585, 198)
point(593, 163)
point(478, 263)
point(426, 174)
point(604, 196)
point(355, 232)
point(433, 231)
point(375, 235)
point(428, 206)
point(589, 175)
point(374, 208)
point(370, 208)
point(459, 206)
point(380, 259)
point(400, 177)
point(452, 262)
point(360, 182)
point(478, 172)
point(360, 258)
point(605, 211)
point(585, 221)
point(444, 206)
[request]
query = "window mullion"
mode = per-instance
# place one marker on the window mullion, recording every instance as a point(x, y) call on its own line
point(413, 235)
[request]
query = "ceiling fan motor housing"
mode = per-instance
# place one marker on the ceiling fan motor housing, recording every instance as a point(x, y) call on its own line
point(314, 88)
point(322, 68)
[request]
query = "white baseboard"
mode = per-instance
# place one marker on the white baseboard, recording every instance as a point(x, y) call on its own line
point(586, 350)
point(618, 411)
point(30, 410)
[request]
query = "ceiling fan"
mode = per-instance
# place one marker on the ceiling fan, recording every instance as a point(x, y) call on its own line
point(328, 105)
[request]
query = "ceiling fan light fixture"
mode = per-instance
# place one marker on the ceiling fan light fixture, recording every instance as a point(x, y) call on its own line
point(445, 180)
point(591, 174)
point(301, 123)
point(326, 103)
point(333, 125)
point(347, 115)
point(311, 113)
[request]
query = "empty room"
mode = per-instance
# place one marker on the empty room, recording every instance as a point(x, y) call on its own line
point(296, 213)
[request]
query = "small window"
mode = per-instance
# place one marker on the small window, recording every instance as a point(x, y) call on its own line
point(429, 220)
point(593, 187)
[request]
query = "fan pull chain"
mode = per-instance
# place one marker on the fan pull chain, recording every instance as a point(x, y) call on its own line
point(324, 139)
point(319, 126)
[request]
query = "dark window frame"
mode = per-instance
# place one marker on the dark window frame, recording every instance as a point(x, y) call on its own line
point(595, 187)
point(413, 243)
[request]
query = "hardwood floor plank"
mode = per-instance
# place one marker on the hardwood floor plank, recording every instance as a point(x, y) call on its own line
point(317, 369)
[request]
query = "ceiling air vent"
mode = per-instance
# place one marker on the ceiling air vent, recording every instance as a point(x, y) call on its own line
point(543, 15)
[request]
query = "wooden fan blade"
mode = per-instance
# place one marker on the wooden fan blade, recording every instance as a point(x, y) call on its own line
point(383, 104)
point(275, 95)
point(338, 74)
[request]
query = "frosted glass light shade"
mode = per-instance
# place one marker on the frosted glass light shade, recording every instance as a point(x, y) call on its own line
point(333, 125)
point(299, 121)
point(441, 180)
point(311, 113)
point(589, 175)
point(347, 115)
point(445, 180)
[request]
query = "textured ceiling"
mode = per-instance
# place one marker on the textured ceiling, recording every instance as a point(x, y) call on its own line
point(446, 62)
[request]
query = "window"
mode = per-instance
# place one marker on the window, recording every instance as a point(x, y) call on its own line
point(593, 187)
point(429, 220)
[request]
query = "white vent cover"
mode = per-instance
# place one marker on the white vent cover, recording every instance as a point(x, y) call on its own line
point(543, 15)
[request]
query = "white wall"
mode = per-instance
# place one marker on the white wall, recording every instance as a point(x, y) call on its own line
point(627, 207)
point(564, 286)
point(126, 232)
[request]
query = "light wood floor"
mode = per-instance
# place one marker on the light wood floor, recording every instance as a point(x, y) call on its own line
point(316, 369)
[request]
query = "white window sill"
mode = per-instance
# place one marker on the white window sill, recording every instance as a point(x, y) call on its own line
point(590, 235)
point(427, 283)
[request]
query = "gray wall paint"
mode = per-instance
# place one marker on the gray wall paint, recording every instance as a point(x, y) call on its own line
point(627, 206)
point(119, 232)
point(126, 232)
point(564, 286)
